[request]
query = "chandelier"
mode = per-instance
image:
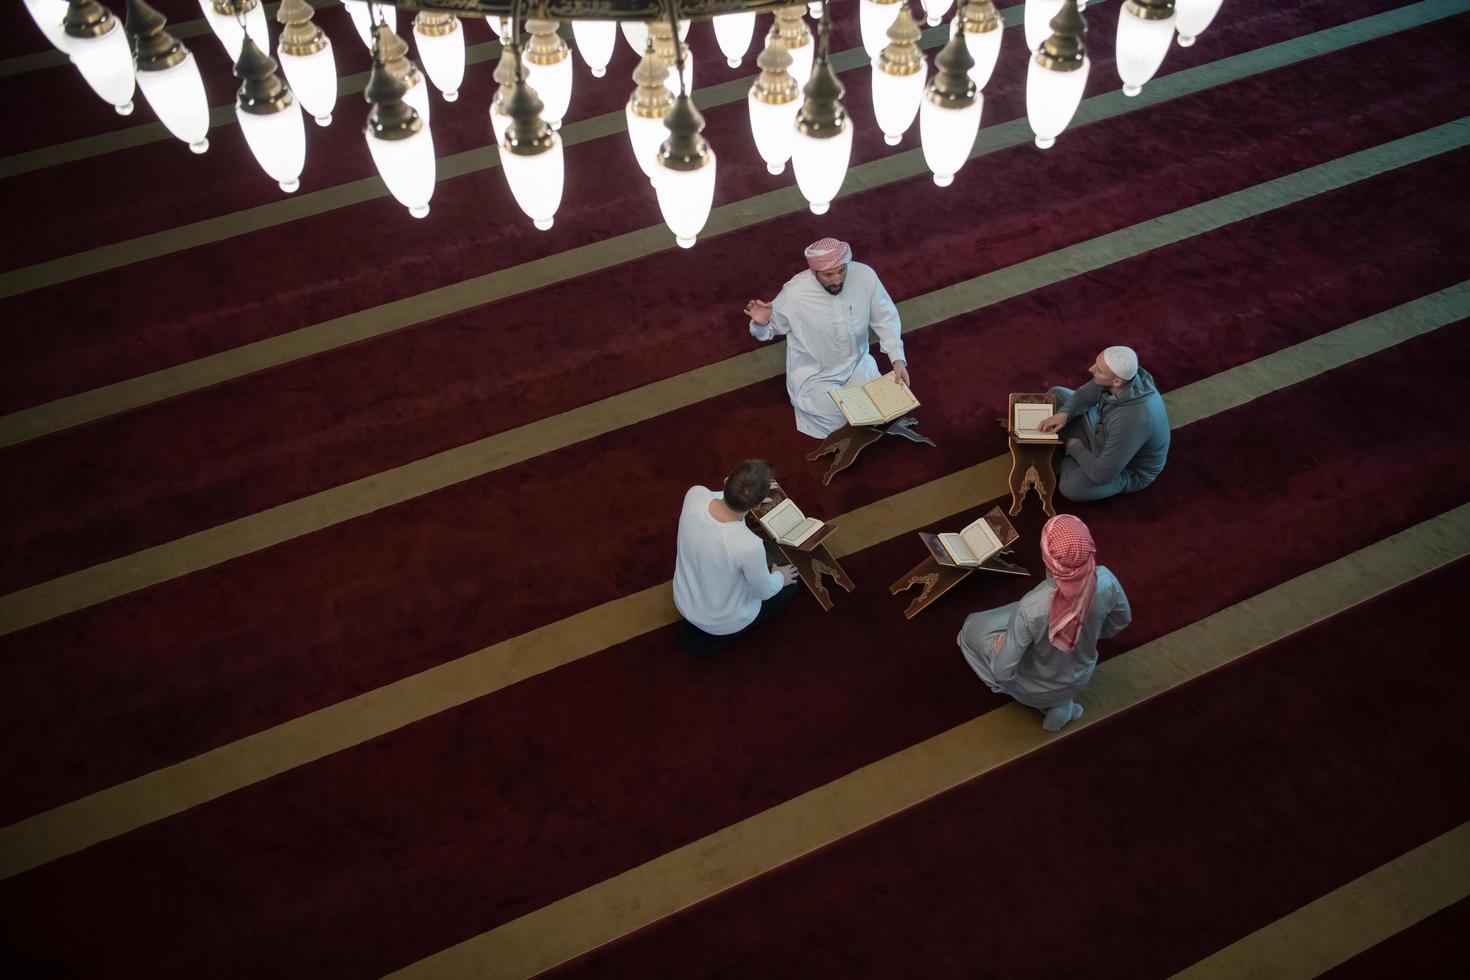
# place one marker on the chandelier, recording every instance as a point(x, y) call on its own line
point(795, 103)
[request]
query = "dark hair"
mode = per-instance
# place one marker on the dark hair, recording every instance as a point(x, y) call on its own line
point(748, 485)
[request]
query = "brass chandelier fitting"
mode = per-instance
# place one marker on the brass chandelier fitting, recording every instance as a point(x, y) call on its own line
point(774, 86)
point(300, 35)
point(1065, 50)
point(153, 47)
point(901, 56)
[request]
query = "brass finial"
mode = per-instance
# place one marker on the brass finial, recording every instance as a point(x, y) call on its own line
point(980, 16)
point(505, 77)
point(390, 118)
point(901, 56)
point(234, 8)
point(685, 149)
point(528, 134)
point(652, 98)
point(546, 46)
point(822, 115)
point(86, 18)
point(1151, 9)
point(790, 28)
point(1065, 50)
point(775, 86)
point(431, 23)
point(300, 36)
point(262, 93)
point(154, 48)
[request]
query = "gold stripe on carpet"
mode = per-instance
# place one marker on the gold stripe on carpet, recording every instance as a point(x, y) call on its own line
point(643, 895)
point(1349, 920)
point(245, 535)
point(127, 806)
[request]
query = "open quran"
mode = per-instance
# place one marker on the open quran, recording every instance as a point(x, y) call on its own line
point(788, 525)
point(1026, 416)
point(972, 546)
point(880, 400)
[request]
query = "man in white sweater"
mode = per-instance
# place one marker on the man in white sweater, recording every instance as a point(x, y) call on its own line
point(722, 584)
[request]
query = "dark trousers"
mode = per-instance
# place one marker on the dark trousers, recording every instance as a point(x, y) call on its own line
point(698, 643)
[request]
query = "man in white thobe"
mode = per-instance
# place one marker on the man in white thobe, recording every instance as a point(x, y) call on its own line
point(825, 313)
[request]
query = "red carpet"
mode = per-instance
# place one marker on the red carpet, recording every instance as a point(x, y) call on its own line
point(174, 468)
point(1180, 825)
point(575, 775)
point(1123, 851)
point(389, 569)
point(1435, 949)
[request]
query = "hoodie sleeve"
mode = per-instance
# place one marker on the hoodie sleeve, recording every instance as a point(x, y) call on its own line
point(1082, 399)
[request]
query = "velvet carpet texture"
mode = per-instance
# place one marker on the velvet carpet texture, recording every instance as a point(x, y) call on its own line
point(572, 776)
point(432, 579)
point(1125, 851)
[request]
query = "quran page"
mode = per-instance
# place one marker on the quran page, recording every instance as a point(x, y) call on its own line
point(1028, 415)
point(782, 518)
point(890, 398)
point(958, 549)
point(981, 540)
point(857, 405)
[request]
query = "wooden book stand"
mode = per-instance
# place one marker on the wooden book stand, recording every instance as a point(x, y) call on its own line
point(1032, 463)
point(850, 440)
point(938, 573)
point(812, 561)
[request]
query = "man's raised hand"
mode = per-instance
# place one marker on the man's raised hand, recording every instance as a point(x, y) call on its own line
point(759, 311)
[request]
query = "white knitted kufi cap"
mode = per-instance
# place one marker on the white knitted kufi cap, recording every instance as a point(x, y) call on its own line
point(1121, 361)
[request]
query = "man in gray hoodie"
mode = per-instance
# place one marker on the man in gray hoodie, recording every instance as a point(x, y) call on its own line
point(1114, 429)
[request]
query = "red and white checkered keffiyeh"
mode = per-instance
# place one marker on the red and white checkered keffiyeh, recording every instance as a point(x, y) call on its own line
point(827, 253)
point(1069, 554)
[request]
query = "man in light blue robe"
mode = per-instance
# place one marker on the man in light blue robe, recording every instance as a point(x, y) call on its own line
point(1042, 649)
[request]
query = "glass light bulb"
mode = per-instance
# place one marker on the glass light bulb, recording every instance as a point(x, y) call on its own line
point(106, 64)
point(821, 165)
point(48, 15)
point(671, 80)
point(948, 136)
point(1141, 46)
point(176, 94)
point(733, 33)
point(774, 128)
point(814, 9)
point(362, 19)
point(1052, 98)
point(595, 41)
point(874, 19)
point(1193, 17)
point(684, 197)
point(536, 181)
point(553, 83)
point(499, 122)
point(1038, 17)
point(313, 80)
point(646, 136)
point(936, 9)
point(896, 101)
point(801, 62)
point(278, 141)
point(635, 32)
point(443, 58)
point(231, 35)
point(984, 49)
point(407, 167)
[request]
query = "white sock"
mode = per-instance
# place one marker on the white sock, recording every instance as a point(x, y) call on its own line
point(1059, 717)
